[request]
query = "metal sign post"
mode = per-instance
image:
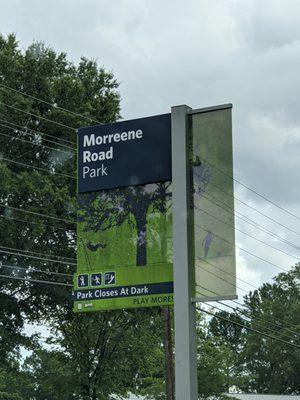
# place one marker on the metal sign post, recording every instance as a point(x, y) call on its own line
point(186, 387)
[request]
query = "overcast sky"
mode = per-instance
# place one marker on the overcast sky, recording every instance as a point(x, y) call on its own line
point(200, 53)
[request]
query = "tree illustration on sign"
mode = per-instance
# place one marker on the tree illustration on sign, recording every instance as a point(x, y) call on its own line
point(101, 211)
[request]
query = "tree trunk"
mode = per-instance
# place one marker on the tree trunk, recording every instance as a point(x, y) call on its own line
point(141, 243)
point(85, 391)
point(170, 392)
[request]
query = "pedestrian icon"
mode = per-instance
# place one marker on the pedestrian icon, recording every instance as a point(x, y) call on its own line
point(110, 278)
point(96, 279)
point(83, 280)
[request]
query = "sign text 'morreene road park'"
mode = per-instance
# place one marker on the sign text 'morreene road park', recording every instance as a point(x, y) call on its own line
point(125, 153)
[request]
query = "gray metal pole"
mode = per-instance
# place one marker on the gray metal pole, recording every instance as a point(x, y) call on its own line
point(186, 385)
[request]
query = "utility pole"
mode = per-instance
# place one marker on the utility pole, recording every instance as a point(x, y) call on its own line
point(169, 359)
point(186, 384)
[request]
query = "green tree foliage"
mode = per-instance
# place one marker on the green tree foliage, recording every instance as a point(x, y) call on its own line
point(274, 367)
point(255, 359)
point(32, 140)
point(14, 383)
point(217, 357)
point(227, 334)
point(111, 351)
point(51, 375)
point(97, 354)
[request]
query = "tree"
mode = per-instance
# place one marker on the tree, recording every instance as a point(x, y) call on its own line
point(226, 332)
point(14, 383)
point(274, 309)
point(36, 171)
point(231, 333)
point(51, 374)
point(29, 138)
point(214, 358)
point(111, 352)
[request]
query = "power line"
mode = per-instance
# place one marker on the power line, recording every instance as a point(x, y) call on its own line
point(253, 191)
point(14, 267)
point(39, 214)
point(37, 253)
point(247, 205)
point(31, 222)
point(245, 311)
point(253, 208)
point(240, 248)
point(36, 257)
point(50, 104)
point(38, 116)
point(271, 323)
point(247, 327)
point(36, 280)
point(247, 234)
point(230, 283)
point(35, 144)
point(37, 168)
point(250, 221)
point(22, 127)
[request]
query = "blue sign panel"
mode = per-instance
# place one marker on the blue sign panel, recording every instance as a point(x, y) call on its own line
point(125, 153)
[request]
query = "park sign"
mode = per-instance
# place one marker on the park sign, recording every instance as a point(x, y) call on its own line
point(124, 228)
point(126, 153)
point(124, 239)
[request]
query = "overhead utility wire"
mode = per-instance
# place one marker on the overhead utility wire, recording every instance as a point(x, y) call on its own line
point(252, 190)
point(47, 282)
point(22, 127)
point(36, 280)
point(39, 214)
point(247, 234)
point(32, 269)
point(247, 327)
point(36, 257)
point(257, 325)
point(37, 168)
point(247, 314)
point(38, 116)
point(241, 248)
point(199, 308)
point(255, 209)
point(47, 102)
point(230, 283)
point(35, 144)
point(251, 222)
point(36, 253)
point(244, 311)
point(31, 222)
point(248, 205)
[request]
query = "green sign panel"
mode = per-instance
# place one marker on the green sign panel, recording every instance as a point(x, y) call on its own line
point(124, 248)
